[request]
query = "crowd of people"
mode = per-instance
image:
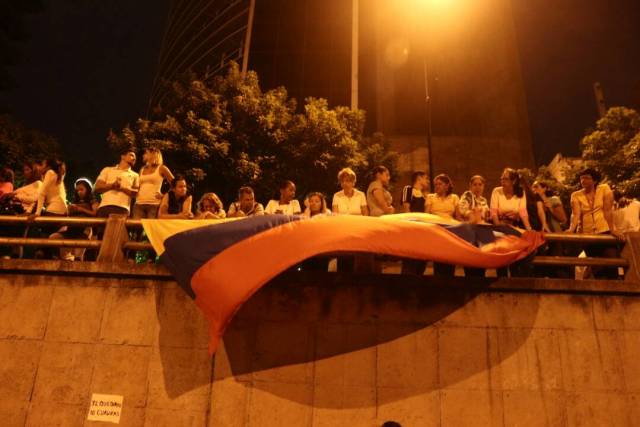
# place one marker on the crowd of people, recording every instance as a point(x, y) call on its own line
point(595, 209)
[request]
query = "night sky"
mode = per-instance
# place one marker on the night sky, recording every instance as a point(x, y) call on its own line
point(87, 66)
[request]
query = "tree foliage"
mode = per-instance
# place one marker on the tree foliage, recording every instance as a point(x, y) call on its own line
point(614, 148)
point(19, 144)
point(225, 132)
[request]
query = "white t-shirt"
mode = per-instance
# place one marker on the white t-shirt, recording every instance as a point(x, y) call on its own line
point(128, 179)
point(346, 205)
point(627, 219)
point(502, 205)
point(150, 185)
point(274, 207)
point(28, 195)
point(52, 194)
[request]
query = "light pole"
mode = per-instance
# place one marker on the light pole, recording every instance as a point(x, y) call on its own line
point(427, 100)
point(429, 6)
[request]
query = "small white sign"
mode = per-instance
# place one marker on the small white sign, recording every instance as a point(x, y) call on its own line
point(105, 407)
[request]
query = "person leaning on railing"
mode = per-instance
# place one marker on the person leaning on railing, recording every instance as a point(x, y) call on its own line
point(27, 195)
point(176, 203)
point(554, 220)
point(286, 204)
point(509, 207)
point(348, 201)
point(626, 213)
point(414, 200)
point(474, 209)
point(246, 205)
point(592, 213)
point(444, 203)
point(210, 207)
point(84, 205)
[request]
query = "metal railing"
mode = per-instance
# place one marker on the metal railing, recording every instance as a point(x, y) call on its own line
point(116, 242)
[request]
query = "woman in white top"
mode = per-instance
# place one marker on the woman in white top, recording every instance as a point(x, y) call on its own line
point(350, 200)
point(317, 205)
point(52, 195)
point(508, 202)
point(287, 204)
point(27, 195)
point(152, 174)
point(508, 206)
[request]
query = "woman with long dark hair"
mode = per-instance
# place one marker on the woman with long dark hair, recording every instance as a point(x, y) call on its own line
point(442, 202)
point(509, 207)
point(52, 196)
point(508, 202)
point(176, 203)
point(553, 214)
point(378, 197)
point(84, 205)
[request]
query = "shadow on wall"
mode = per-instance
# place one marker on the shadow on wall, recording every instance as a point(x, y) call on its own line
point(413, 334)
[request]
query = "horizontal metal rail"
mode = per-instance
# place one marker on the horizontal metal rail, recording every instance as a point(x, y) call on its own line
point(570, 238)
point(59, 220)
point(581, 238)
point(576, 261)
point(51, 243)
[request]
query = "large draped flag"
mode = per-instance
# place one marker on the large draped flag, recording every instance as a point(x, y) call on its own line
point(223, 263)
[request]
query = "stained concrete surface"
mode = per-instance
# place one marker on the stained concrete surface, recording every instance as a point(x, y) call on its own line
point(319, 350)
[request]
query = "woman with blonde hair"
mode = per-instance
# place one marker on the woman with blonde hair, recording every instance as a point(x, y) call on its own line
point(152, 174)
point(210, 207)
point(350, 200)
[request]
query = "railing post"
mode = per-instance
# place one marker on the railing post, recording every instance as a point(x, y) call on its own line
point(631, 253)
point(114, 236)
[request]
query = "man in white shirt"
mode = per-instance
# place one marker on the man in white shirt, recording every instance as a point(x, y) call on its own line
point(118, 184)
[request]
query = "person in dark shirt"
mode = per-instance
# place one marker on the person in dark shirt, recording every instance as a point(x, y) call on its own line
point(176, 203)
point(413, 199)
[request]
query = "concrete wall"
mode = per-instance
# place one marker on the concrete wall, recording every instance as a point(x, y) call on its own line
point(317, 351)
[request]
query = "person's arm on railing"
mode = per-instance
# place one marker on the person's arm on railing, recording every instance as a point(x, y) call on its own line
point(87, 212)
point(542, 216)
point(48, 181)
point(608, 214)
point(557, 210)
point(494, 206)
point(576, 214)
point(163, 210)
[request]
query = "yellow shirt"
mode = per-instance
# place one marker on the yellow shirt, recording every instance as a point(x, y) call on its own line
point(592, 220)
point(442, 206)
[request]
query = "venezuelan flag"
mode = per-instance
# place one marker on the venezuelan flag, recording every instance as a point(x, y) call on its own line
point(223, 263)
